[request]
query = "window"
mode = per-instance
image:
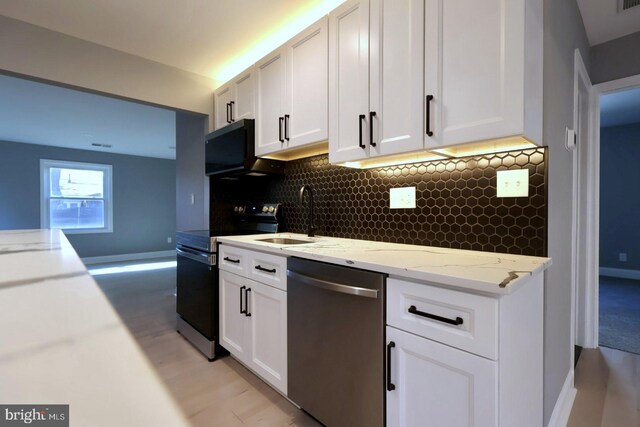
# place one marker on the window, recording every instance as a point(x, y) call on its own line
point(75, 197)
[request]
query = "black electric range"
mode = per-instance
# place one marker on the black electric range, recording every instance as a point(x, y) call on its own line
point(197, 273)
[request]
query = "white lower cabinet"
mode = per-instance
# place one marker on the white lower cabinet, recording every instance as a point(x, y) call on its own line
point(253, 324)
point(436, 385)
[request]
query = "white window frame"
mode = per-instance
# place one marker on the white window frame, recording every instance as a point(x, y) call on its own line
point(46, 165)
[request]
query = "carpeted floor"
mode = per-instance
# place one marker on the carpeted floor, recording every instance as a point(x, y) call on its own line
point(620, 314)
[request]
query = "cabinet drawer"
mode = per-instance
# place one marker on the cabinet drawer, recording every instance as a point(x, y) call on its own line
point(232, 259)
point(268, 268)
point(462, 320)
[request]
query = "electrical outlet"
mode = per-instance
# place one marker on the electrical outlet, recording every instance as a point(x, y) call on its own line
point(513, 183)
point(168, 239)
point(622, 257)
point(402, 198)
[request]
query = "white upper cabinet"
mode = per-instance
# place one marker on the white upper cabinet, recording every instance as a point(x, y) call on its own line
point(292, 92)
point(348, 81)
point(484, 70)
point(397, 76)
point(414, 75)
point(236, 99)
point(270, 98)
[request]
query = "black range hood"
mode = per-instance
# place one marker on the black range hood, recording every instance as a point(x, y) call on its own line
point(230, 152)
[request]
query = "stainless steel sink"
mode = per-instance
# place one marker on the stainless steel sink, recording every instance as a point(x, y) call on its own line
point(284, 241)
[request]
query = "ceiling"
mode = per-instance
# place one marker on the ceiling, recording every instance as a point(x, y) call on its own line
point(603, 22)
point(43, 114)
point(620, 108)
point(213, 38)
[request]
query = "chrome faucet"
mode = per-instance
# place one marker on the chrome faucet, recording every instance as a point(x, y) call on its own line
point(311, 229)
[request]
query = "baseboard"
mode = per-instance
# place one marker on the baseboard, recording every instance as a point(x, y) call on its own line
point(562, 409)
point(128, 257)
point(620, 272)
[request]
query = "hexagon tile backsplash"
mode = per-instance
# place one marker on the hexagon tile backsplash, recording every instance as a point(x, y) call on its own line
point(456, 203)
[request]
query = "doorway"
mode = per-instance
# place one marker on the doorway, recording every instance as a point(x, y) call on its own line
point(619, 249)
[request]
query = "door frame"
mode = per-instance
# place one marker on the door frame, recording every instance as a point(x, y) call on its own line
point(586, 245)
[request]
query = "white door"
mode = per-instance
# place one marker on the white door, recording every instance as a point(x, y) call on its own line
point(307, 86)
point(223, 97)
point(268, 309)
point(349, 81)
point(397, 76)
point(234, 327)
point(244, 101)
point(438, 385)
point(270, 98)
point(474, 69)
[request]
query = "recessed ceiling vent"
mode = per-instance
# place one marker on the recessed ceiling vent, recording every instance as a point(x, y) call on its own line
point(627, 4)
point(95, 144)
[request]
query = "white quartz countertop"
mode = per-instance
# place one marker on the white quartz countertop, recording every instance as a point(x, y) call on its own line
point(61, 342)
point(484, 272)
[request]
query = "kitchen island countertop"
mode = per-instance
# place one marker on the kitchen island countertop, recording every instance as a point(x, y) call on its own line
point(61, 342)
point(484, 272)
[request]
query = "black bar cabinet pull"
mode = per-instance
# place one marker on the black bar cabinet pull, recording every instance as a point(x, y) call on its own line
point(246, 303)
point(428, 114)
point(235, 261)
point(280, 120)
point(241, 310)
point(360, 119)
point(456, 321)
point(228, 118)
point(286, 127)
point(390, 386)
point(231, 111)
point(372, 114)
point(261, 268)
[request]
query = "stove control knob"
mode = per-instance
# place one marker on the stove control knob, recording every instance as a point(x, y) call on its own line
point(271, 209)
point(241, 209)
point(236, 209)
point(265, 209)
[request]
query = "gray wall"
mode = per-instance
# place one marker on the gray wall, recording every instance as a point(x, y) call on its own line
point(190, 131)
point(616, 59)
point(143, 198)
point(563, 33)
point(34, 51)
point(619, 201)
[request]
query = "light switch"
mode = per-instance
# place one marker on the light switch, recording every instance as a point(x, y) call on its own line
point(513, 183)
point(402, 198)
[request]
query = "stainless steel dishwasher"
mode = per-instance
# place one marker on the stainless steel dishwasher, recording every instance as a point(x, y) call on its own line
point(335, 321)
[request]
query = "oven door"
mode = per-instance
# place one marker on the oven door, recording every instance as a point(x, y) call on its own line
point(197, 290)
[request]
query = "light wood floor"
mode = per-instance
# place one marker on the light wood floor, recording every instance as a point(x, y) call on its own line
point(608, 384)
point(220, 393)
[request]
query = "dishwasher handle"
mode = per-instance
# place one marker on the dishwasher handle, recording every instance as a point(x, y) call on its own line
point(332, 286)
point(194, 255)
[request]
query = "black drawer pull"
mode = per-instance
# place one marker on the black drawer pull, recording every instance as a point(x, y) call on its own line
point(280, 121)
point(456, 321)
point(231, 109)
point(261, 268)
point(372, 114)
point(361, 117)
point(286, 127)
point(246, 303)
point(390, 386)
point(241, 310)
point(235, 261)
point(228, 114)
point(428, 114)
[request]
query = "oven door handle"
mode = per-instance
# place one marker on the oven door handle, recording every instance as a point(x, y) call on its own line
point(202, 257)
point(332, 286)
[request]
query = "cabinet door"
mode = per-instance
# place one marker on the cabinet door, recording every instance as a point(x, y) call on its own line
point(234, 327)
point(439, 385)
point(223, 96)
point(307, 85)
point(244, 101)
point(270, 96)
point(349, 81)
point(474, 57)
point(397, 76)
point(268, 309)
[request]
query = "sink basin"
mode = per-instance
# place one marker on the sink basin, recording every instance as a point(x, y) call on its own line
point(284, 241)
